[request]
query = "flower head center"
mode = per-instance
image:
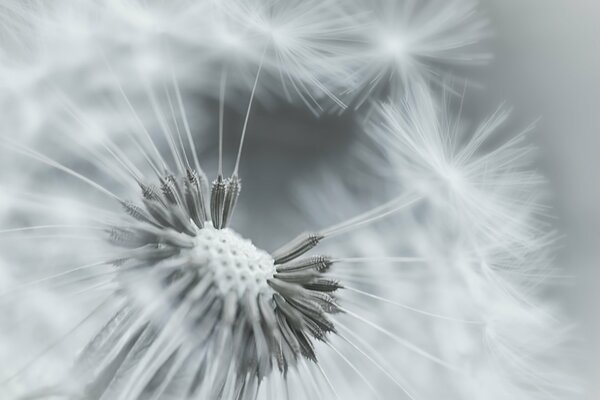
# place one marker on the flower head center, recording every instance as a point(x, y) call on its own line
point(236, 264)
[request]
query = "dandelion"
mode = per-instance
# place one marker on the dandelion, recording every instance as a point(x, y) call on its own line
point(195, 310)
point(110, 220)
point(200, 310)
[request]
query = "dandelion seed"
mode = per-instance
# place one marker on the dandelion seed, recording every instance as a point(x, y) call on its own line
point(303, 41)
point(406, 41)
point(432, 150)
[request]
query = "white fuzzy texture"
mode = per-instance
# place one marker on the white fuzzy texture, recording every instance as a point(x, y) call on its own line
point(445, 299)
point(403, 41)
point(483, 228)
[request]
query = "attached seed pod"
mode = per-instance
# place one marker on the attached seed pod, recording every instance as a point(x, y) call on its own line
point(232, 193)
point(150, 192)
point(169, 188)
point(217, 202)
point(297, 247)
point(194, 198)
point(318, 263)
point(136, 212)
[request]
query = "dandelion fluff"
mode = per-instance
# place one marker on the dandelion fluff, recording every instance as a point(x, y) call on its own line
point(199, 311)
point(443, 282)
point(483, 227)
point(405, 41)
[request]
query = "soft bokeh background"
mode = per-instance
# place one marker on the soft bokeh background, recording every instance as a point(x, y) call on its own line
point(547, 64)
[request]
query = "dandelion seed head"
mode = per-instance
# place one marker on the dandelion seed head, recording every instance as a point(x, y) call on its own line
point(187, 274)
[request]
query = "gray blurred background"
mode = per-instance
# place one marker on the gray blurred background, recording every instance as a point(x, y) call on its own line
point(547, 64)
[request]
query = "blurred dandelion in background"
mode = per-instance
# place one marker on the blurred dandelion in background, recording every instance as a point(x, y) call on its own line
point(270, 199)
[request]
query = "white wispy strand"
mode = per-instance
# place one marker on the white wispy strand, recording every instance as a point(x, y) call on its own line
point(483, 257)
point(493, 190)
point(303, 41)
point(80, 50)
point(485, 230)
point(42, 338)
point(402, 41)
point(77, 51)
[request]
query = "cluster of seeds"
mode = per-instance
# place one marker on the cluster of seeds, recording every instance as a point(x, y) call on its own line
point(243, 311)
